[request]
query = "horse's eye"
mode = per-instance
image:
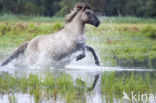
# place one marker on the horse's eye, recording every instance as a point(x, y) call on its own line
point(87, 13)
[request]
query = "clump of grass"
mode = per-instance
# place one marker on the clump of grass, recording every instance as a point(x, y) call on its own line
point(154, 47)
point(4, 29)
point(57, 26)
point(149, 31)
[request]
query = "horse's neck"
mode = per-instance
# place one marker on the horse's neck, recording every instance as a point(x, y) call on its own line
point(76, 26)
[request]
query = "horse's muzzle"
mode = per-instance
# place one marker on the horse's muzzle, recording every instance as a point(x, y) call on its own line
point(97, 23)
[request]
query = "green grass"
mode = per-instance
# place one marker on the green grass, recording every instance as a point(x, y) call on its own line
point(124, 44)
point(128, 19)
point(119, 41)
point(13, 34)
point(22, 18)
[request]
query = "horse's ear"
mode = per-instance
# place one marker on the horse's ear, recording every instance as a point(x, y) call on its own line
point(79, 6)
point(82, 6)
point(89, 6)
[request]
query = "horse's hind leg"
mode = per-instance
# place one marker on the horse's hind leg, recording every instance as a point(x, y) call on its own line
point(90, 49)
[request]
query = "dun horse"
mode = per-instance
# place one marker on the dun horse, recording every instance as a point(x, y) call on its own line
point(54, 48)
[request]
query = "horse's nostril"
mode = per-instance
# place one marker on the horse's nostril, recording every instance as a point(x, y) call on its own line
point(97, 24)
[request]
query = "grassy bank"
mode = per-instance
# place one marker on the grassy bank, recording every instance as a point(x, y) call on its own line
point(22, 18)
point(119, 41)
point(62, 86)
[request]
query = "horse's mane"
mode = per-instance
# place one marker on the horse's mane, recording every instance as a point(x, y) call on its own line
point(77, 8)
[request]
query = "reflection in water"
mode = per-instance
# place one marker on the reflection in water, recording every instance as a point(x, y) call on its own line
point(16, 98)
point(73, 84)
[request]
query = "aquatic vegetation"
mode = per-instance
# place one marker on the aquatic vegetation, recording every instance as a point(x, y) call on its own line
point(49, 86)
point(59, 85)
point(114, 83)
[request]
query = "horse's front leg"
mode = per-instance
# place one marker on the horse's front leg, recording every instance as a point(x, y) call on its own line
point(90, 49)
point(81, 56)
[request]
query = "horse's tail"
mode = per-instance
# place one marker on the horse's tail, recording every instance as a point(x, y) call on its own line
point(16, 53)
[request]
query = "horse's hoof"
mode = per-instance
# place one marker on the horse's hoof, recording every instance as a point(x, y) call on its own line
point(97, 63)
point(80, 57)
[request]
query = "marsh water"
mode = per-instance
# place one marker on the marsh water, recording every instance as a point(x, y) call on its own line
point(77, 70)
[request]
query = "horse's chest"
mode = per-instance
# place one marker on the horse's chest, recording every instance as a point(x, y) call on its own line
point(81, 39)
point(72, 45)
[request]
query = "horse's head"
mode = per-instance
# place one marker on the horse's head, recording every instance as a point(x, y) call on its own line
point(88, 15)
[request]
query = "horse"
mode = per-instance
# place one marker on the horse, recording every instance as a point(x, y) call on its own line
point(58, 47)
